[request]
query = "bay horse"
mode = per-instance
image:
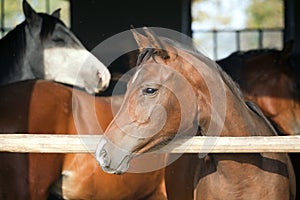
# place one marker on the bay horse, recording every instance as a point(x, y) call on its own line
point(176, 91)
point(42, 47)
point(267, 77)
point(41, 106)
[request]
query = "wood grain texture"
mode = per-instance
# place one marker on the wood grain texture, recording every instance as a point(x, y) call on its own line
point(50, 143)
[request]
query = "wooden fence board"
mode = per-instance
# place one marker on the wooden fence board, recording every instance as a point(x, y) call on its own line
point(65, 143)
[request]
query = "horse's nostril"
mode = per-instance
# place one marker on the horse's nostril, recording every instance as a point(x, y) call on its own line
point(103, 153)
point(99, 74)
point(104, 159)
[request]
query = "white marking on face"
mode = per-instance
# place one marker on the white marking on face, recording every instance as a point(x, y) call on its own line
point(135, 75)
point(61, 57)
point(76, 67)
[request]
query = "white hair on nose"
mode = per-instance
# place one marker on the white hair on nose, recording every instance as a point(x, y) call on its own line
point(135, 75)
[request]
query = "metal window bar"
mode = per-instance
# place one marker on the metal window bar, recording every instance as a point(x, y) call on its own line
point(47, 6)
point(260, 38)
point(238, 39)
point(215, 42)
point(2, 18)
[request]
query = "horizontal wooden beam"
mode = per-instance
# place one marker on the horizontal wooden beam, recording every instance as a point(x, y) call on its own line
point(66, 143)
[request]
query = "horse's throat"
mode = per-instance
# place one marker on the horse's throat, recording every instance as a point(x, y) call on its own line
point(238, 120)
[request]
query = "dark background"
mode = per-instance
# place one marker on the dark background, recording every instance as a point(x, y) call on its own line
point(95, 20)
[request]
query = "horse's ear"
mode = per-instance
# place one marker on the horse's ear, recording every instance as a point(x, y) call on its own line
point(56, 13)
point(166, 51)
point(142, 41)
point(31, 16)
point(155, 41)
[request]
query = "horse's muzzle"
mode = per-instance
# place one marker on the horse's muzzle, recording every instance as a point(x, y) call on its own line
point(110, 159)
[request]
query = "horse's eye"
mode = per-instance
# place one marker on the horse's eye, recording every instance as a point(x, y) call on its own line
point(58, 40)
point(150, 91)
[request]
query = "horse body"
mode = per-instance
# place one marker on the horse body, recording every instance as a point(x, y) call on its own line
point(267, 78)
point(233, 176)
point(83, 179)
point(33, 173)
point(159, 104)
point(47, 107)
point(42, 47)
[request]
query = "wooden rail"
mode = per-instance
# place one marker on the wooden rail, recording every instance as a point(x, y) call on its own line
point(53, 143)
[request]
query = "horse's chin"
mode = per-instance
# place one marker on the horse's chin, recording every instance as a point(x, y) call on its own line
point(96, 86)
point(122, 168)
point(92, 90)
point(112, 171)
point(90, 87)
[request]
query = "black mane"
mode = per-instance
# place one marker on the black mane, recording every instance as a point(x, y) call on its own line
point(235, 62)
point(12, 48)
point(254, 52)
point(48, 25)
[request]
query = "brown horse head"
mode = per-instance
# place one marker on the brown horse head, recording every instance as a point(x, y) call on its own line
point(276, 90)
point(174, 92)
point(154, 105)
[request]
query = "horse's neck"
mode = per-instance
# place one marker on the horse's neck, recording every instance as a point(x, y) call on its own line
point(244, 119)
point(240, 119)
point(221, 107)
